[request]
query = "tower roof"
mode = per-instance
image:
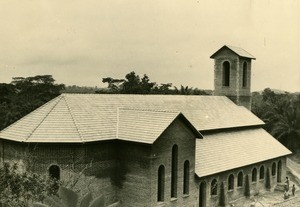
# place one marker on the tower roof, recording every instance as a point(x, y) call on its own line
point(239, 51)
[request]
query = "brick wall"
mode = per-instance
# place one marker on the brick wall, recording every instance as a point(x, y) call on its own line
point(92, 164)
point(133, 169)
point(256, 187)
point(178, 134)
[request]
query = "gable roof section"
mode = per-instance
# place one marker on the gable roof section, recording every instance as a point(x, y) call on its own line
point(81, 118)
point(146, 126)
point(229, 150)
point(239, 51)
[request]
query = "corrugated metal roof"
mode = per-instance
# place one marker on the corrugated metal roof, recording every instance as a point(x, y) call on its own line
point(93, 117)
point(239, 51)
point(228, 150)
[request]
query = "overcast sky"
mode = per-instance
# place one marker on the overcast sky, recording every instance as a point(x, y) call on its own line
point(80, 42)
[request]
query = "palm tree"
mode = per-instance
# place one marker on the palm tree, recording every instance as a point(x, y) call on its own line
point(287, 127)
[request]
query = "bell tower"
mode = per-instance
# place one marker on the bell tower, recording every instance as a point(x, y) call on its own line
point(232, 74)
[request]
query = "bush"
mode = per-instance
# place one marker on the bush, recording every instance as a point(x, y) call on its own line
point(21, 188)
point(222, 201)
point(268, 180)
point(68, 198)
point(247, 187)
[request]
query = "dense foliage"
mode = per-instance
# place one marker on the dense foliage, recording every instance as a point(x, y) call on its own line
point(21, 188)
point(23, 95)
point(133, 84)
point(68, 198)
point(281, 113)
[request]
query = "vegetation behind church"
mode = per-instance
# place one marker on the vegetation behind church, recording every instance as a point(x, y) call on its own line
point(280, 111)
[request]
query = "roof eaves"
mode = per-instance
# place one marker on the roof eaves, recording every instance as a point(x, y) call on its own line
point(215, 130)
point(231, 49)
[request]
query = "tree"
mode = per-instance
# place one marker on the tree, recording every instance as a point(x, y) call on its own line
point(247, 187)
point(280, 112)
point(133, 84)
point(20, 188)
point(23, 95)
point(268, 180)
point(184, 90)
point(287, 127)
point(115, 85)
point(222, 201)
point(68, 198)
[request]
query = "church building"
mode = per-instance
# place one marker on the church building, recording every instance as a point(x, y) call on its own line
point(155, 150)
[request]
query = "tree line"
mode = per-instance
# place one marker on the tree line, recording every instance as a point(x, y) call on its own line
point(23, 95)
point(280, 111)
point(133, 84)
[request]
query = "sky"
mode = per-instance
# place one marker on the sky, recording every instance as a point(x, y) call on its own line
point(81, 42)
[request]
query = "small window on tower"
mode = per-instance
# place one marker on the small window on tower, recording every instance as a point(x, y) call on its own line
point(245, 74)
point(226, 73)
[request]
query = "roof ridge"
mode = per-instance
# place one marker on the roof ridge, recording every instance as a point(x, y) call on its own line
point(149, 110)
point(73, 119)
point(123, 94)
point(59, 98)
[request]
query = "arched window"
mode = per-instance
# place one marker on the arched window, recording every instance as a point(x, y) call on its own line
point(161, 183)
point(214, 187)
point(279, 171)
point(273, 169)
point(174, 171)
point(240, 179)
point(230, 182)
point(262, 172)
point(226, 73)
point(54, 172)
point(244, 74)
point(254, 175)
point(186, 177)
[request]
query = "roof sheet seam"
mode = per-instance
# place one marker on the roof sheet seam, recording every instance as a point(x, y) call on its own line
point(28, 115)
point(59, 98)
point(74, 121)
point(118, 119)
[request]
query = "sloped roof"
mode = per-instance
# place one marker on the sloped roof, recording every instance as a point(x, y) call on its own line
point(146, 126)
point(239, 51)
point(223, 151)
point(93, 117)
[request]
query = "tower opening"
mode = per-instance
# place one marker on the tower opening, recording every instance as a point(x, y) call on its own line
point(226, 73)
point(245, 74)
